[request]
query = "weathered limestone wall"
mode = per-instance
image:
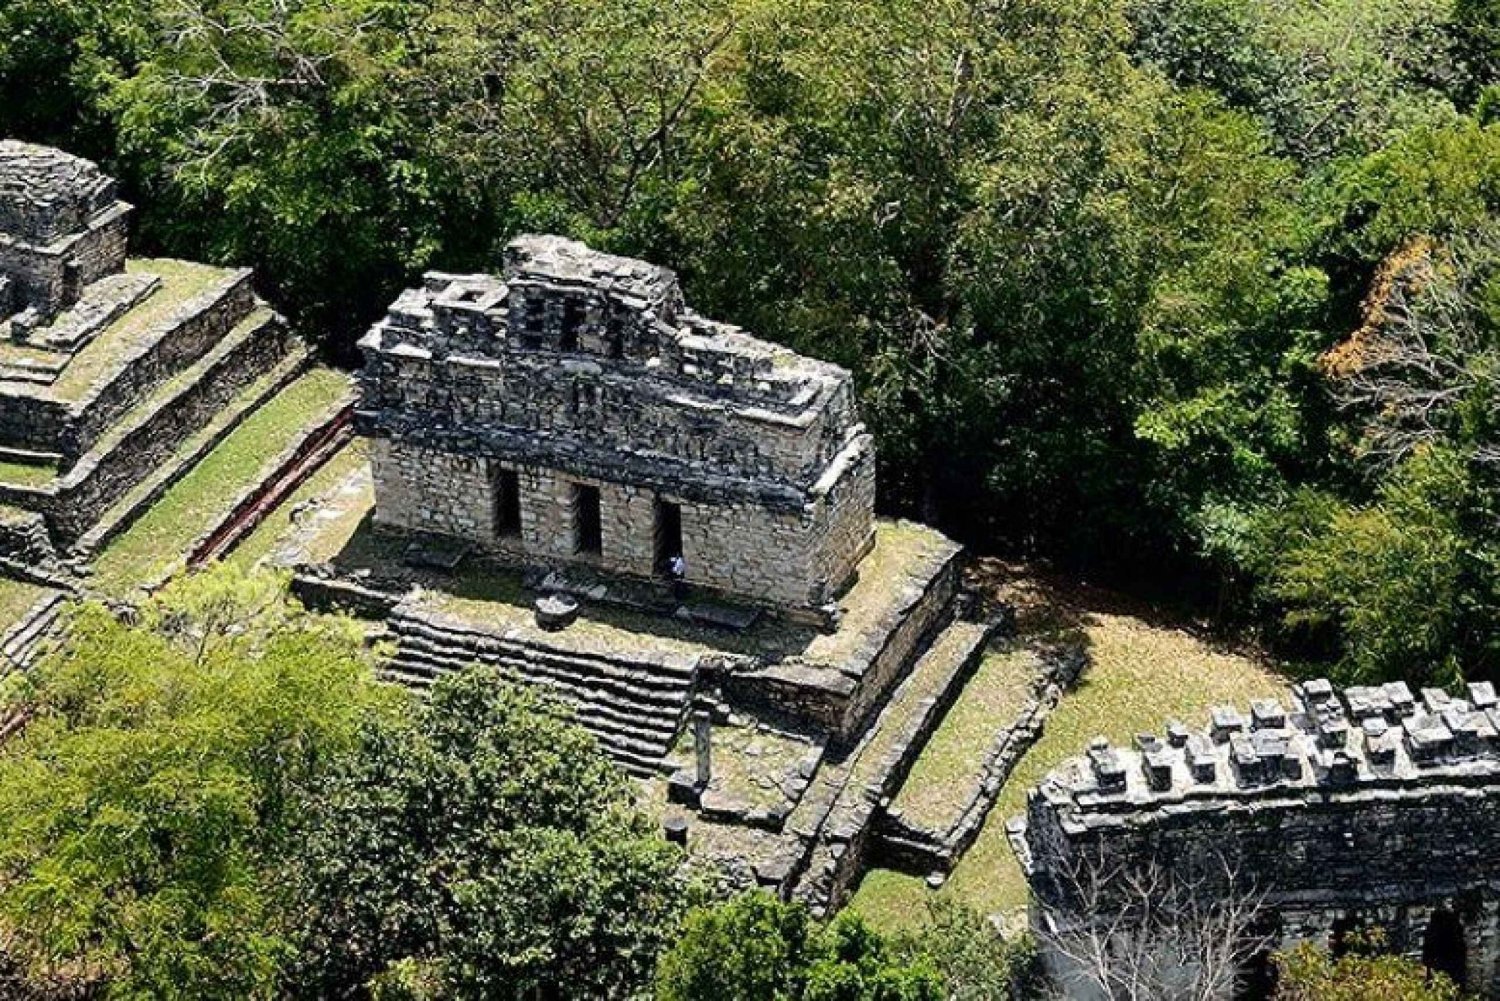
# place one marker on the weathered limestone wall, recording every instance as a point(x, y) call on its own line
point(1371, 809)
point(736, 548)
point(61, 227)
point(51, 278)
point(581, 368)
point(598, 414)
point(181, 339)
point(94, 485)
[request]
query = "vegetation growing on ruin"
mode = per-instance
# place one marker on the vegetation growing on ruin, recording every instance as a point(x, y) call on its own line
point(1145, 668)
point(152, 547)
point(1091, 262)
point(217, 800)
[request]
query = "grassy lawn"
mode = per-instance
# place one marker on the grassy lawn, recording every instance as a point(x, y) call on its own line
point(277, 529)
point(27, 474)
point(1145, 670)
point(156, 543)
point(16, 597)
point(180, 281)
point(946, 775)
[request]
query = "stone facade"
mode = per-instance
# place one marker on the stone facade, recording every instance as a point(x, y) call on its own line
point(61, 229)
point(575, 411)
point(107, 370)
point(1366, 807)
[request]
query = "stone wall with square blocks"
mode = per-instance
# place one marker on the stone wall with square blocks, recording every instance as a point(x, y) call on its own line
point(577, 399)
point(62, 228)
point(1366, 807)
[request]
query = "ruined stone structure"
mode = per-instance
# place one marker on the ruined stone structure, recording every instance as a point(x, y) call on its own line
point(1366, 807)
point(61, 230)
point(576, 412)
point(109, 366)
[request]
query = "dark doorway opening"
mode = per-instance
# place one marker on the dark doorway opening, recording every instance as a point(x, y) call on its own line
point(1257, 982)
point(668, 534)
point(1443, 948)
point(507, 503)
point(1342, 938)
point(588, 532)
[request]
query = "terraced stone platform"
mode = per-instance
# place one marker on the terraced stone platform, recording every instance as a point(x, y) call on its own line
point(171, 349)
point(792, 792)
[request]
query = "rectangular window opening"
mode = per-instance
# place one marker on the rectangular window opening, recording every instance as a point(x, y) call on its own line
point(507, 503)
point(588, 531)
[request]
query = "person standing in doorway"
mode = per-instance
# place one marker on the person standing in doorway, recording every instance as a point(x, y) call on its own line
point(677, 573)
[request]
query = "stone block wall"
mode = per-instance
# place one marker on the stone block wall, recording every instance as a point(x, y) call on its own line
point(1354, 808)
point(602, 411)
point(583, 368)
point(179, 341)
point(782, 558)
point(52, 278)
point(94, 485)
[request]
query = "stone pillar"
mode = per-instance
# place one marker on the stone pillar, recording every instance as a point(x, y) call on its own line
point(702, 735)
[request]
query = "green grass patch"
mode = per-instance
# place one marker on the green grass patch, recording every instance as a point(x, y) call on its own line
point(27, 474)
point(276, 528)
point(1143, 673)
point(180, 282)
point(945, 777)
point(16, 598)
point(155, 545)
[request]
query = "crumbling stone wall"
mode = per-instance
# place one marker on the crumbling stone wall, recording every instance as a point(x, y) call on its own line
point(577, 369)
point(61, 227)
point(1366, 807)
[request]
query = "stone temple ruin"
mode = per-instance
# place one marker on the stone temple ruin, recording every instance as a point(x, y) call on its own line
point(1348, 810)
point(575, 413)
point(544, 442)
point(108, 366)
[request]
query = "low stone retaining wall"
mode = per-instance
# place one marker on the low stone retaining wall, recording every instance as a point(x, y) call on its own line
point(844, 697)
point(98, 482)
point(320, 445)
point(910, 847)
point(177, 341)
point(848, 831)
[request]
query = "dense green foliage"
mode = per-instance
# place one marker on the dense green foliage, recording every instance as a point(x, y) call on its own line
point(485, 850)
point(1308, 973)
point(155, 780)
point(756, 948)
point(1089, 260)
point(219, 802)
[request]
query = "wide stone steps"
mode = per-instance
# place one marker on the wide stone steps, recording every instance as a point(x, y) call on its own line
point(130, 503)
point(658, 720)
point(876, 767)
point(638, 686)
point(167, 350)
point(21, 646)
point(406, 624)
point(633, 709)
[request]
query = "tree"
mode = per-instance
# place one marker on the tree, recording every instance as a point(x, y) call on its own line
point(1308, 973)
point(1330, 78)
point(1132, 930)
point(968, 952)
point(1404, 587)
point(482, 849)
point(757, 948)
point(154, 780)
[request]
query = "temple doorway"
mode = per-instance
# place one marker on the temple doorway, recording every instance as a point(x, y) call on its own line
point(667, 534)
point(1443, 947)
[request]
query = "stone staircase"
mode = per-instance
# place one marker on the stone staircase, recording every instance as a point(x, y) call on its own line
point(634, 707)
point(838, 829)
point(31, 636)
